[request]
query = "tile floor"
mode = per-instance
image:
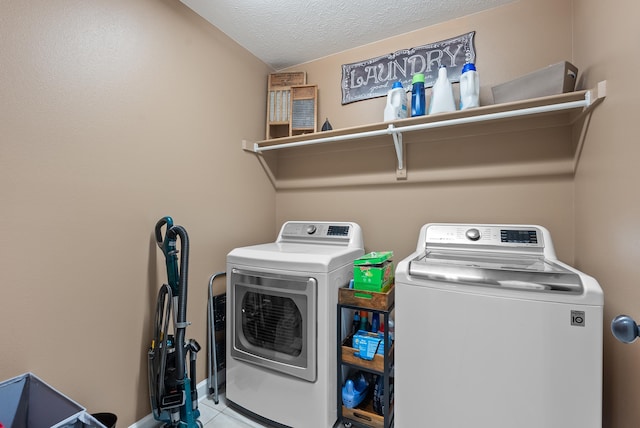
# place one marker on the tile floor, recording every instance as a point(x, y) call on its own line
point(220, 415)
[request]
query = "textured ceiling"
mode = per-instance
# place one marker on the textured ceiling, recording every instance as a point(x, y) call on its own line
point(283, 33)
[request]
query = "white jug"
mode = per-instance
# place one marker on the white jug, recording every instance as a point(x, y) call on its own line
point(396, 107)
point(442, 94)
point(469, 87)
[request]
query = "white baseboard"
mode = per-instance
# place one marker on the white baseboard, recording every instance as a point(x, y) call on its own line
point(150, 422)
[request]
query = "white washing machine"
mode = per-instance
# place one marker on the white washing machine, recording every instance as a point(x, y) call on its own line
point(281, 322)
point(492, 331)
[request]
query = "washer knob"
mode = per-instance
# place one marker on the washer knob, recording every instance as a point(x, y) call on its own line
point(311, 229)
point(472, 234)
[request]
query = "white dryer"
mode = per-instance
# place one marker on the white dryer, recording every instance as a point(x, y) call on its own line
point(492, 331)
point(281, 322)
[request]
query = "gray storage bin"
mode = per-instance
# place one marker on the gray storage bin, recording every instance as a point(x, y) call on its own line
point(28, 402)
point(552, 80)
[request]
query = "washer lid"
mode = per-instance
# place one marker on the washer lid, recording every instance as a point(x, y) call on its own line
point(521, 272)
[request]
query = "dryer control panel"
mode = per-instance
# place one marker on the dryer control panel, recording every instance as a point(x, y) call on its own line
point(342, 233)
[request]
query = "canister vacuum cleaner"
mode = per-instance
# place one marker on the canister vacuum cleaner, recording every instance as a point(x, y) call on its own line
point(172, 391)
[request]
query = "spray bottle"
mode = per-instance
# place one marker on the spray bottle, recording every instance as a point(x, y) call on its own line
point(355, 326)
point(442, 96)
point(396, 107)
point(375, 322)
point(364, 320)
point(469, 87)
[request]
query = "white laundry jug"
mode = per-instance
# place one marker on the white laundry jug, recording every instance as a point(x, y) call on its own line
point(469, 87)
point(442, 94)
point(396, 107)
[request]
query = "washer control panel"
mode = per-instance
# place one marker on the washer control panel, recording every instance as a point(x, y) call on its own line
point(494, 235)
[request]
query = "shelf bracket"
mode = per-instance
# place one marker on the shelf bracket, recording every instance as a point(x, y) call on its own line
point(401, 170)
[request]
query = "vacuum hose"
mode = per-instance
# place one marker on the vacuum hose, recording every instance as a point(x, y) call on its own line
point(181, 315)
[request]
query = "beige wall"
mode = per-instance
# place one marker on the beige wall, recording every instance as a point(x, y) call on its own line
point(607, 207)
point(593, 217)
point(115, 113)
point(391, 217)
point(510, 41)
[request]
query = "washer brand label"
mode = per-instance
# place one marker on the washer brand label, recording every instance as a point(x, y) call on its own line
point(577, 318)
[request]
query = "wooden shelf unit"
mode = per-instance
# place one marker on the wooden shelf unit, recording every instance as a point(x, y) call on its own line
point(363, 415)
point(292, 106)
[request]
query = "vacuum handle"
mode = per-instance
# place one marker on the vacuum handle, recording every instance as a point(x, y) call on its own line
point(168, 221)
point(167, 244)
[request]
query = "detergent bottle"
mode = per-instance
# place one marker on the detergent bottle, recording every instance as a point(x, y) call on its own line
point(442, 96)
point(469, 87)
point(396, 107)
point(354, 391)
point(375, 322)
point(378, 395)
point(356, 322)
point(418, 99)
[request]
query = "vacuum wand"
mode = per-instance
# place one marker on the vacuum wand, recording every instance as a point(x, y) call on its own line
point(193, 347)
point(181, 314)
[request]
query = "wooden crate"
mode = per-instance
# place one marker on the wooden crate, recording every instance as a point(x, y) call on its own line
point(349, 356)
point(278, 80)
point(279, 102)
point(304, 109)
point(365, 415)
point(367, 299)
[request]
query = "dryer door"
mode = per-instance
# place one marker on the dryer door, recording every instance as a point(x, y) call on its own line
point(273, 322)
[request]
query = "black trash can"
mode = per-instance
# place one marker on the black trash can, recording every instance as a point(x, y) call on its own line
point(107, 419)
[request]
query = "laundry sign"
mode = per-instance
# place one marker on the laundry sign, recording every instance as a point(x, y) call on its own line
point(374, 77)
